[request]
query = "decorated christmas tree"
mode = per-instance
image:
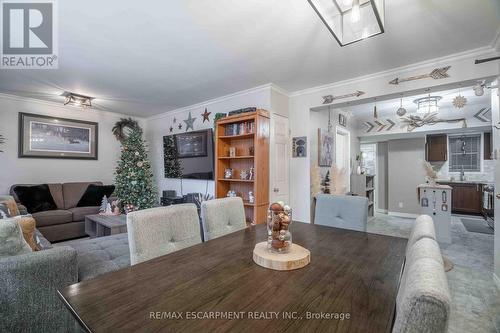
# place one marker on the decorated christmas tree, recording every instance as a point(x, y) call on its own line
point(133, 175)
point(326, 183)
point(171, 162)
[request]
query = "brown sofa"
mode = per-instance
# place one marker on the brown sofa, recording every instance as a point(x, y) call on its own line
point(68, 221)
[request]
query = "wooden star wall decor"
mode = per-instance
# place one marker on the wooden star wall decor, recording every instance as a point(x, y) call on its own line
point(206, 115)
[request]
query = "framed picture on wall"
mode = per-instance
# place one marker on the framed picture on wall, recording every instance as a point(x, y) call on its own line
point(52, 137)
point(342, 120)
point(299, 146)
point(325, 148)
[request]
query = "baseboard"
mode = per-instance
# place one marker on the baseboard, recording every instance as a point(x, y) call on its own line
point(496, 279)
point(406, 215)
point(381, 211)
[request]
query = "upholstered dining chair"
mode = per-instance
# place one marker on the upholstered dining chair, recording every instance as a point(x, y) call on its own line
point(341, 211)
point(222, 216)
point(158, 231)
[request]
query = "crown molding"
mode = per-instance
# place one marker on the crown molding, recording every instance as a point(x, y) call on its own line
point(53, 104)
point(280, 90)
point(495, 44)
point(482, 51)
point(267, 86)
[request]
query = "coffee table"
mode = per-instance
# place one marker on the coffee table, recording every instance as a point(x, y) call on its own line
point(105, 225)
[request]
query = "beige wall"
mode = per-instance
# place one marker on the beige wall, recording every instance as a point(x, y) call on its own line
point(405, 172)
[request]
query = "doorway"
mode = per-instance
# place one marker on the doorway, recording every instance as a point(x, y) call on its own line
point(343, 152)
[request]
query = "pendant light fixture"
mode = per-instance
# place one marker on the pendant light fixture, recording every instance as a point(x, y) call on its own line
point(350, 21)
point(401, 111)
point(427, 104)
point(375, 113)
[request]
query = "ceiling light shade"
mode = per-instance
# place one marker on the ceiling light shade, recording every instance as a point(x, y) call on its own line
point(427, 104)
point(351, 21)
point(77, 100)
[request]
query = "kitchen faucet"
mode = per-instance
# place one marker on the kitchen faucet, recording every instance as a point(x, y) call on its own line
point(462, 174)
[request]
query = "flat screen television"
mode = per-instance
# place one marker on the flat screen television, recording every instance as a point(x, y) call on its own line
point(195, 151)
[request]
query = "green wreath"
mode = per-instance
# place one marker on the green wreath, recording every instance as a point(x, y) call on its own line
point(124, 127)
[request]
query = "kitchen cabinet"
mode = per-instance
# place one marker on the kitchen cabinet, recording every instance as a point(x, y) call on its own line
point(466, 198)
point(436, 148)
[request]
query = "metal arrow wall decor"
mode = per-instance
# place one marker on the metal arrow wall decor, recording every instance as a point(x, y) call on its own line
point(436, 74)
point(330, 98)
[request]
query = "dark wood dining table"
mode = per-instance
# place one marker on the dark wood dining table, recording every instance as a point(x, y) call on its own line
point(350, 285)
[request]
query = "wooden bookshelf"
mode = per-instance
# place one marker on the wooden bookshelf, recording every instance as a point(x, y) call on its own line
point(364, 185)
point(256, 136)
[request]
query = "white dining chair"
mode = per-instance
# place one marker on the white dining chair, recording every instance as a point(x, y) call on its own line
point(222, 216)
point(158, 231)
point(341, 211)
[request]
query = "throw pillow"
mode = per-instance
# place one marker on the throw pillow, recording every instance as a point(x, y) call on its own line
point(11, 239)
point(36, 198)
point(28, 226)
point(94, 194)
point(4, 211)
point(12, 208)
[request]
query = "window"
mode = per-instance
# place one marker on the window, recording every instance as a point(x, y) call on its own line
point(369, 157)
point(465, 153)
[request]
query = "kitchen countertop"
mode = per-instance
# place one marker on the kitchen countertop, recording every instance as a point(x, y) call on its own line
point(447, 181)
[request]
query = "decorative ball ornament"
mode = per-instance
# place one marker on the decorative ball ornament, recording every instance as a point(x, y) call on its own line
point(124, 128)
point(140, 164)
point(136, 153)
point(401, 111)
point(459, 101)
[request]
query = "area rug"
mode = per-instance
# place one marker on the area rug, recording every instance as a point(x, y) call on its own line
point(448, 264)
point(479, 226)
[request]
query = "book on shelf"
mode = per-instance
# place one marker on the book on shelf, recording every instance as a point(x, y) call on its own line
point(239, 128)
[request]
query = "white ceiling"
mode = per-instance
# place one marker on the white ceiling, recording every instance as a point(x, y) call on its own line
point(387, 108)
point(143, 58)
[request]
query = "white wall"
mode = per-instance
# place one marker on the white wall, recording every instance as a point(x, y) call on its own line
point(158, 126)
point(374, 85)
point(16, 170)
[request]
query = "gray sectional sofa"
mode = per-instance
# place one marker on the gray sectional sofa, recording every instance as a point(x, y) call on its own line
point(28, 297)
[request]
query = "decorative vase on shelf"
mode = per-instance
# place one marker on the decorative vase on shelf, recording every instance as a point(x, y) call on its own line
point(279, 237)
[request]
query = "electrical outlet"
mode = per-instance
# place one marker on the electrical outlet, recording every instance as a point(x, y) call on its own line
point(400, 205)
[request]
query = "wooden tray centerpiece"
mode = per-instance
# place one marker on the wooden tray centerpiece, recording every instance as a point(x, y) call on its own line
point(278, 252)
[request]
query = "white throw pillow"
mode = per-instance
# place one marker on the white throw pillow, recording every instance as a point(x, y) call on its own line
point(11, 239)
